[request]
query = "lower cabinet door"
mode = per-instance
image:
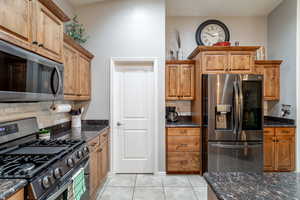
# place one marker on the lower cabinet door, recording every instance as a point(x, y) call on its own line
point(104, 160)
point(269, 153)
point(93, 173)
point(183, 143)
point(285, 153)
point(183, 162)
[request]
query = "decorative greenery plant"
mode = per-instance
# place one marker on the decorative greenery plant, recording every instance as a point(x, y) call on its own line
point(76, 31)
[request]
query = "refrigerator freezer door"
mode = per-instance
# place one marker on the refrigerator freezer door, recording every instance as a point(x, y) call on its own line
point(221, 102)
point(235, 157)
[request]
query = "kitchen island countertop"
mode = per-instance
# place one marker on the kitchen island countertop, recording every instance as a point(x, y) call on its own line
point(253, 186)
point(9, 187)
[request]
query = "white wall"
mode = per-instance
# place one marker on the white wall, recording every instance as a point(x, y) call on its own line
point(124, 28)
point(246, 30)
point(66, 7)
point(282, 27)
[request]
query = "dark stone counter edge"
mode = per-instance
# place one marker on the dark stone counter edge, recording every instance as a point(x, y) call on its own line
point(212, 188)
point(16, 185)
point(99, 133)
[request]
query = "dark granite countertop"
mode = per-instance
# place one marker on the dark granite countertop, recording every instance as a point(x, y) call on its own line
point(270, 121)
point(83, 133)
point(8, 187)
point(89, 130)
point(182, 124)
point(251, 186)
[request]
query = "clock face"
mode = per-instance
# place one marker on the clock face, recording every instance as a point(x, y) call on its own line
point(211, 34)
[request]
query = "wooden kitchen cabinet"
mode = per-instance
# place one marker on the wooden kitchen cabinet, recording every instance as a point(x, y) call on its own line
point(215, 59)
point(99, 162)
point(183, 147)
point(19, 195)
point(180, 80)
point(36, 25)
point(279, 149)
point(77, 75)
point(271, 71)
point(16, 22)
point(49, 33)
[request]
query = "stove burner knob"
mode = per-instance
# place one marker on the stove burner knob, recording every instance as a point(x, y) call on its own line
point(46, 182)
point(70, 162)
point(57, 173)
point(86, 149)
point(79, 154)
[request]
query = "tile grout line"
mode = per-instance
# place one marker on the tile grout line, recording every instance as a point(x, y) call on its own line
point(163, 186)
point(192, 187)
point(134, 186)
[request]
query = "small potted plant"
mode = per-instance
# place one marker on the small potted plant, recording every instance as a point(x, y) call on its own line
point(76, 31)
point(44, 134)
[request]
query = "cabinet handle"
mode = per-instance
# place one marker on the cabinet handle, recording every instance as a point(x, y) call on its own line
point(100, 150)
point(285, 131)
point(41, 45)
point(35, 42)
point(94, 144)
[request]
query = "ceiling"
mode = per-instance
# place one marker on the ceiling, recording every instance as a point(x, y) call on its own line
point(220, 7)
point(77, 3)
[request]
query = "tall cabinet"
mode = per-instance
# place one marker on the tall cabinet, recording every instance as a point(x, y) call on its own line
point(77, 76)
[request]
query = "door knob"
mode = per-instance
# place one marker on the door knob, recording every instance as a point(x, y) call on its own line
point(119, 124)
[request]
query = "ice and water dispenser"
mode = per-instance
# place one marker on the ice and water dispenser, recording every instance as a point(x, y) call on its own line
point(224, 117)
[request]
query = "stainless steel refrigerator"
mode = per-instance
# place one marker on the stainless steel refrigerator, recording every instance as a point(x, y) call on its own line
point(233, 111)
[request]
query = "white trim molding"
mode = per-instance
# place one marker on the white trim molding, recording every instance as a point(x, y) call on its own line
point(298, 90)
point(155, 64)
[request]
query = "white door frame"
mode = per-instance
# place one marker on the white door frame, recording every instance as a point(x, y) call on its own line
point(113, 138)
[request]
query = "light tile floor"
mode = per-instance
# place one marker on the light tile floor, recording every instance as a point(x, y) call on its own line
point(153, 187)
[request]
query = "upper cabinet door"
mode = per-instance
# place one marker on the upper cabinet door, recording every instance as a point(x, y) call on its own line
point(49, 33)
point(241, 61)
point(70, 70)
point(84, 75)
point(272, 83)
point(214, 61)
point(15, 22)
point(186, 82)
point(172, 82)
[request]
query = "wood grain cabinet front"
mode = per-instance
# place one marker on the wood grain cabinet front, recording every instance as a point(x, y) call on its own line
point(183, 150)
point(19, 195)
point(77, 74)
point(180, 80)
point(279, 149)
point(99, 162)
point(33, 25)
point(271, 71)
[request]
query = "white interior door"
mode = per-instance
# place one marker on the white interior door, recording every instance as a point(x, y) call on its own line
point(134, 119)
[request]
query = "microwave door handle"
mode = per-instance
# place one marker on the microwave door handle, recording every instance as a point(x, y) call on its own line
point(55, 91)
point(236, 107)
point(59, 80)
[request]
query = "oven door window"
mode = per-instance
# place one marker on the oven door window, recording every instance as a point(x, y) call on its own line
point(21, 75)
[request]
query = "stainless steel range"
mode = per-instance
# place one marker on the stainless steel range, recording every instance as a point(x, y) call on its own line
point(47, 165)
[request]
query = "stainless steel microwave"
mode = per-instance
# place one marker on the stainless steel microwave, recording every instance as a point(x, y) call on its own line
point(25, 76)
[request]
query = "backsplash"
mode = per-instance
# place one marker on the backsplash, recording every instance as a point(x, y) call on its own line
point(46, 118)
point(182, 107)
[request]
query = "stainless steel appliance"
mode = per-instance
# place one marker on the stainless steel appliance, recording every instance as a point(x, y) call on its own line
point(25, 76)
point(233, 111)
point(171, 114)
point(47, 165)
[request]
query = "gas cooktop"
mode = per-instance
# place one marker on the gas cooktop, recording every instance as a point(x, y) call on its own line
point(27, 160)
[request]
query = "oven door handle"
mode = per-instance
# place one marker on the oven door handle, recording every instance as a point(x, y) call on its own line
point(59, 192)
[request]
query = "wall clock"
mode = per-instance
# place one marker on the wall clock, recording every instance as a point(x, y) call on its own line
point(212, 31)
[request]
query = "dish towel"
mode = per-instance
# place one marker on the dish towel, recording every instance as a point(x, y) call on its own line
point(79, 187)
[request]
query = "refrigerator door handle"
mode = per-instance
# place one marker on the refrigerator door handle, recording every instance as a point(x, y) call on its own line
point(236, 107)
point(241, 108)
point(228, 146)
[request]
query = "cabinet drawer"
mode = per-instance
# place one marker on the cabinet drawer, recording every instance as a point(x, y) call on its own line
point(183, 143)
point(183, 131)
point(269, 131)
point(183, 162)
point(104, 137)
point(285, 131)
